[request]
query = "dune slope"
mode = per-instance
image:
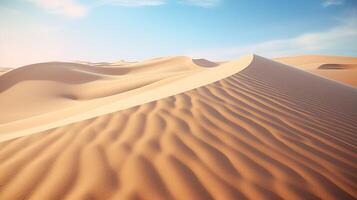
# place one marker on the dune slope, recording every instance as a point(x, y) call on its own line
point(268, 132)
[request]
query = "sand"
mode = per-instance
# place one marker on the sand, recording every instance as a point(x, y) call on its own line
point(63, 93)
point(338, 68)
point(249, 129)
point(3, 70)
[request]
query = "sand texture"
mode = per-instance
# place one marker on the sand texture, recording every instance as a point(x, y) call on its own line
point(264, 131)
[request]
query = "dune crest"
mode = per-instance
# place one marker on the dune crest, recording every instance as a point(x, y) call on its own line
point(270, 131)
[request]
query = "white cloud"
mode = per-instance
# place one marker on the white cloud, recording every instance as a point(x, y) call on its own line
point(71, 8)
point(336, 39)
point(327, 3)
point(134, 3)
point(202, 3)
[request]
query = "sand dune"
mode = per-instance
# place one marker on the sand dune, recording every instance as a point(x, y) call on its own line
point(342, 69)
point(3, 70)
point(55, 86)
point(267, 131)
point(86, 91)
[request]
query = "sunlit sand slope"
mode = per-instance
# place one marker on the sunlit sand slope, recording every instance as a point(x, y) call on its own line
point(342, 69)
point(268, 132)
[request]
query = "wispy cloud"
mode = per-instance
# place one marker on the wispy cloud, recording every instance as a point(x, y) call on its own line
point(202, 3)
point(327, 3)
point(335, 39)
point(134, 3)
point(71, 8)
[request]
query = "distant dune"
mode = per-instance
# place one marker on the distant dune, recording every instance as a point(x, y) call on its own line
point(178, 128)
point(342, 69)
point(3, 70)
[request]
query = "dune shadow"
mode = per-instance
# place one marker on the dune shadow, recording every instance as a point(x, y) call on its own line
point(338, 66)
point(204, 63)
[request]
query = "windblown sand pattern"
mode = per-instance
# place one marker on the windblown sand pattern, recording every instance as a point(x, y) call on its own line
point(268, 132)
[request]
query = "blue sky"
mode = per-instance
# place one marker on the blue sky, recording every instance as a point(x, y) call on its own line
point(107, 30)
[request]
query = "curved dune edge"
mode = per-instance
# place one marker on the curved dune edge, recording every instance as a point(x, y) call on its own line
point(114, 103)
point(269, 132)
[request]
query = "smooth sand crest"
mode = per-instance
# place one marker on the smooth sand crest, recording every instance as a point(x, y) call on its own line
point(270, 131)
point(338, 68)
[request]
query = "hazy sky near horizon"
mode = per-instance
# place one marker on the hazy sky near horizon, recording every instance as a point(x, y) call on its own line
point(34, 31)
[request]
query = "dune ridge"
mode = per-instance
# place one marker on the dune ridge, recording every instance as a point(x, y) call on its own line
point(268, 132)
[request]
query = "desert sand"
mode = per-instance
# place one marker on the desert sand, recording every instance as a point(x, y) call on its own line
point(3, 70)
point(178, 128)
point(338, 68)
